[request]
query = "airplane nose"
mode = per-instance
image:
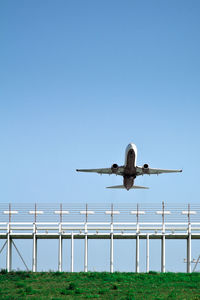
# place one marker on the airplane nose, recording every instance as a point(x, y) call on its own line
point(128, 147)
point(131, 146)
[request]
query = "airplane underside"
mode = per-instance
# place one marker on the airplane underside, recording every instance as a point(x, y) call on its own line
point(128, 182)
point(129, 170)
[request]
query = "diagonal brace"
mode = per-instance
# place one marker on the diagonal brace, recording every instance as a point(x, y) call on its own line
point(20, 256)
point(3, 246)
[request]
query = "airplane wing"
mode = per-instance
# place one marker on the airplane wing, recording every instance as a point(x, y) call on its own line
point(142, 171)
point(103, 171)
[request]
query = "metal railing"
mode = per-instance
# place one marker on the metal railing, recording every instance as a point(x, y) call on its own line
point(99, 221)
point(141, 218)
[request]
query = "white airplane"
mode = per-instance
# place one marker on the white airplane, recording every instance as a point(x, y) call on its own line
point(129, 171)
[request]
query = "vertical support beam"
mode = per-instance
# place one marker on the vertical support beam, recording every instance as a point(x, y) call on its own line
point(9, 244)
point(189, 253)
point(35, 215)
point(60, 243)
point(86, 254)
point(72, 252)
point(111, 253)
point(86, 241)
point(9, 253)
point(111, 242)
point(34, 265)
point(147, 254)
point(189, 243)
point(163, 254)
point(163, 239)
point(61, 213)
point(137, 262)
point(137, 256)
point(60, 253)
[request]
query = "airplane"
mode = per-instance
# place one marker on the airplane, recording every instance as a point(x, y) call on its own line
point(129, 171)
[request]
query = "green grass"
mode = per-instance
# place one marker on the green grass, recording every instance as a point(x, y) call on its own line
point(55, 285)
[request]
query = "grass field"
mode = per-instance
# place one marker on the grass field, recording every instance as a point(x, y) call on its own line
point(55, 285)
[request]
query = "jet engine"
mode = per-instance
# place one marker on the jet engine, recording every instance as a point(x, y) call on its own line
point(145, 168)
point(114, 168)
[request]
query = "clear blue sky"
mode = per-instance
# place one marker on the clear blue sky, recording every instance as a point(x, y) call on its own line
point(79, 80)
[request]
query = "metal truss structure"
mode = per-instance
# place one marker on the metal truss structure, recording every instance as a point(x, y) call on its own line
point(98, 221)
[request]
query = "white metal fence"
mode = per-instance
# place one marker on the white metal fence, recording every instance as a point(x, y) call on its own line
point(98, 221)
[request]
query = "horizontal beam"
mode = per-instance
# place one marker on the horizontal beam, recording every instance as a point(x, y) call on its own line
point(98, 236)
point(99, 223)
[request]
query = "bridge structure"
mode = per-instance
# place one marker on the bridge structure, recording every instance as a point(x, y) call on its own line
point(98, 221)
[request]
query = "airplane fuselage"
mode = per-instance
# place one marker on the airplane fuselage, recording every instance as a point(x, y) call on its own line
point(130, 166)
point(129, 170)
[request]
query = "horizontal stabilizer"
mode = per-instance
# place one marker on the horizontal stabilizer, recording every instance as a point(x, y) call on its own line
point(123, 187)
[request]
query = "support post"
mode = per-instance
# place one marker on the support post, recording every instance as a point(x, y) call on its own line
point(60, 253)
point(163, 239)
point(137, 256)
point(9, 244)
point(9, 253)
point(163, 254)
point(137, 262)
point(189, 253)
point(60, 241)
point(34, 266)
point(86, 254)
point(189, 243)
point(111, 241)
point(72, 252)
point(111, 253)
point(86, 241)
point(147, 254)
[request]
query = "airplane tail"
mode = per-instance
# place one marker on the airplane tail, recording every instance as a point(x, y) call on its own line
point(123, 187)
